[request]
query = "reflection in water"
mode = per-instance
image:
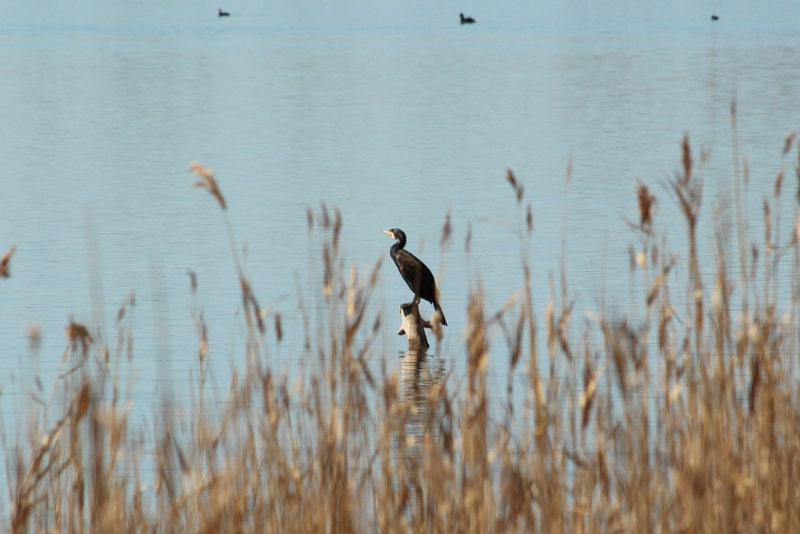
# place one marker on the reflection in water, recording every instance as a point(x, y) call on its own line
point(419, 373)
point(421, 376)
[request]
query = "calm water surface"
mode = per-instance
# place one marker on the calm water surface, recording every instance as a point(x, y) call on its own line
point(390, 111)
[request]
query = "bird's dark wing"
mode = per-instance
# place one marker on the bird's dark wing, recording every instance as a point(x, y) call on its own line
point(419, 278)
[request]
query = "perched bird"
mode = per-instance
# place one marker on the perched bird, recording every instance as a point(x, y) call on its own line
point(419, 278)
point(224, 13)
point(714, 17)
point(466, 20)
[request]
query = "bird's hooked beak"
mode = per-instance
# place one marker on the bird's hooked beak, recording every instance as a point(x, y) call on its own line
point(388, 232)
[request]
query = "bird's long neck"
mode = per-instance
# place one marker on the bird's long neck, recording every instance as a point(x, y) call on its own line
point(399, 243)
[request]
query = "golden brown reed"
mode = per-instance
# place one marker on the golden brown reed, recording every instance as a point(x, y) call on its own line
point(5, 262)
point(682, 417)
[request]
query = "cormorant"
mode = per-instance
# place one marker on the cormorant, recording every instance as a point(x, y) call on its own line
point(224, 13)
point(466, 20)
point(419, 278)
point(714, 17)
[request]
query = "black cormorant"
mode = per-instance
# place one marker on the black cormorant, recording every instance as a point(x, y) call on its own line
point(419, 278)
point(224, 13)
point(714, 17)
point(466, 20)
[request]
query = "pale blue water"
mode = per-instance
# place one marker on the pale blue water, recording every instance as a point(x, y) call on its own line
point(392, 112)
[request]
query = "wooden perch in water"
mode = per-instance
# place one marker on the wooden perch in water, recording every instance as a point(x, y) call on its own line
point(414, 327)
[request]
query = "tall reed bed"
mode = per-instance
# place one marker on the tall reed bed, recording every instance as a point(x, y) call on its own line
point(682, 417)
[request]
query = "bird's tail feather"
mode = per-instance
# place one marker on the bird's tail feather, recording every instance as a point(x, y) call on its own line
point(441, 313)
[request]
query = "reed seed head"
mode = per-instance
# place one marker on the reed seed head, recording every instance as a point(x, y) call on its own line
point(447, 230)
point(647, 203)
point(5, 262)
point(519, 190)
point(787, 145)
point(208, 182)
point(192, 280)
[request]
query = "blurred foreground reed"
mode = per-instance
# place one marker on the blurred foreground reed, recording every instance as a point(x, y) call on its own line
point(682, 418)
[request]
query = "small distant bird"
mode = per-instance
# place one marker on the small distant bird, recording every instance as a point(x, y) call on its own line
point(714, 17)
point(419, 278)
point(466, 20)
point(5, 263)
point(224, 13)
